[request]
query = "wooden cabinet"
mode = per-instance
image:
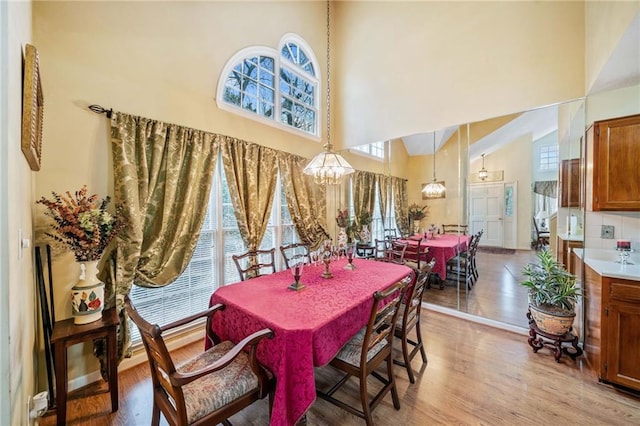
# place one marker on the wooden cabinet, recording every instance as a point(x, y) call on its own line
point(570, 183)
point(613, 150)
point(620, 332)
point(564, 253)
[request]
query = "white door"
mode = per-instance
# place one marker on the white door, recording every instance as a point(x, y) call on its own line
point(485, 212)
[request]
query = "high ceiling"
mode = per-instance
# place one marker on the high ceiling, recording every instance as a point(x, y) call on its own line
point(621, 70)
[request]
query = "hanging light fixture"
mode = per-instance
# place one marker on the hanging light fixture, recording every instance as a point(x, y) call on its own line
point(483, 173)
point(434, 189)
point(328, 167)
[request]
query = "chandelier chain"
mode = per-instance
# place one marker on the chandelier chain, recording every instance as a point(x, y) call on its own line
point(329, 146)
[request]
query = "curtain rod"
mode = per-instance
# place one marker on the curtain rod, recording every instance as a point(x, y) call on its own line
point(100, 110)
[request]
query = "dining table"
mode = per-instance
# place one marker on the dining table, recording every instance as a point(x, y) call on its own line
point(441, 247)
point(310, 325)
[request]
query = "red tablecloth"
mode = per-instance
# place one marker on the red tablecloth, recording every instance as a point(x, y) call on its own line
point(310, 325)
point(442, 248)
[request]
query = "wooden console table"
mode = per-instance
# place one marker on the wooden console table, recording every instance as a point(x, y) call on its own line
point(539, 339)
point(65, 334)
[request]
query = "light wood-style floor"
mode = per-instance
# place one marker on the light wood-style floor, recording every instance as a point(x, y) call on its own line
point(476, 375)
point(497, 295)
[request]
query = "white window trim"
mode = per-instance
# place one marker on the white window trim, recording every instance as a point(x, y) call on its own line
point(364, 154)
point(277, 59)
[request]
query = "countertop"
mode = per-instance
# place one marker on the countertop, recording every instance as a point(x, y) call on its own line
point(603, 261)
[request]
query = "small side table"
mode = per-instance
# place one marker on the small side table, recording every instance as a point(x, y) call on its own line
point(365, 250)
point(65, 334)
point(537, 341)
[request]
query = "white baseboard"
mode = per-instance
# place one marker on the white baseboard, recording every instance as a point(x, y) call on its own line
point(473, 318)
point(140, 356)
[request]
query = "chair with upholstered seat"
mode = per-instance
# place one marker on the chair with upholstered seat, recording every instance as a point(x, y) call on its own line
point(409, 319)
point(210, 387)
point(464, 264)
point(454, 229)
point(367, 350)
point(295, 251)
point(251, 263)
point(542, 237)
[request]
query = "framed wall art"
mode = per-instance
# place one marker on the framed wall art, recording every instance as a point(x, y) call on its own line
point(32, 108)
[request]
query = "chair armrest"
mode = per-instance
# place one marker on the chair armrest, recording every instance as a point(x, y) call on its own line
point(181, 379)
point(208, 313)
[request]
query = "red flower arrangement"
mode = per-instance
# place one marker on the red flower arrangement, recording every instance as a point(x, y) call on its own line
point(82, 223)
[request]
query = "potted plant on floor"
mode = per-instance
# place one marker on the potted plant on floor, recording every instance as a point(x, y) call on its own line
point(552, 294)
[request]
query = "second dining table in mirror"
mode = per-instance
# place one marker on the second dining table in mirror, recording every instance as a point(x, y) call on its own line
point(521, 157)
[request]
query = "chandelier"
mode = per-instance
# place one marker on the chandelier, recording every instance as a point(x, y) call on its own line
point(328, 167)
point(434, 189)
point(483, 173)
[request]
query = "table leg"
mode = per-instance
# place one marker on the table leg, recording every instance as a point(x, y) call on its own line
point(61, 383)
point(112, 355)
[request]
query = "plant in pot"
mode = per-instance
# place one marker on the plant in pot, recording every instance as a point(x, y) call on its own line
point(552, 294)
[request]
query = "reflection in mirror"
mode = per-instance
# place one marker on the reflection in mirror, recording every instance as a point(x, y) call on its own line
point(533, 161)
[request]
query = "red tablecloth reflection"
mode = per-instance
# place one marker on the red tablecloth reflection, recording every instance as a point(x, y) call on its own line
point(442, 248)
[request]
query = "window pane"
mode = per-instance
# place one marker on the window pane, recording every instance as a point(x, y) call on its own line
point(266, 63)
point(232, 96)
point(249, 102)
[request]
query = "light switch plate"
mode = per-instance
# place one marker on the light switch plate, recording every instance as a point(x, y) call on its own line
point(607, 231)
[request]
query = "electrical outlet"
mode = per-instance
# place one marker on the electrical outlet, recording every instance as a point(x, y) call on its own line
point(607, 231)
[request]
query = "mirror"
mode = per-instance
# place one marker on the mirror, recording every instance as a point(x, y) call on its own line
point(533, 160)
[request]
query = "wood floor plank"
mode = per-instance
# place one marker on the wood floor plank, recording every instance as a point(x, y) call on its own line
point(476, 375)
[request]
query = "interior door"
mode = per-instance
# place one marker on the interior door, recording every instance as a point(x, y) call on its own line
point(485, 212)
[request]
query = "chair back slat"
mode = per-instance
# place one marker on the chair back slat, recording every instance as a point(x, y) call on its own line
point(384, 314)
point(295, 251)
point(454, 228)
point(251, 263)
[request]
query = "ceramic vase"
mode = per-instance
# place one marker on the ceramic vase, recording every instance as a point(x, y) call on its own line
point(87, 296)
point(342, 238)
point(365, 235)
point(416, 227)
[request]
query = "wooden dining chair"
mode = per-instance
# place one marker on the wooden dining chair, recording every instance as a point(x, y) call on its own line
point(416, 256)
point(542, 237)
point(251, 263)
point(463, 265)
point(367, 350)
point(390, 234)
point(409, 319)
point(210, 387)
point(381, 249)
point(295, 251)
point(454, 229)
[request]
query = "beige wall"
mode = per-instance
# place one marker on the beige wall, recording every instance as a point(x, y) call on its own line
point(162, 60)
point(605, 23)
point(20, 301)
point(411, 67)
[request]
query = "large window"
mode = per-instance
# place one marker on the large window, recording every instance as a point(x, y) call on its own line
point(548, 157)
point(375, 149)
point(248, 85)
point(211, 264)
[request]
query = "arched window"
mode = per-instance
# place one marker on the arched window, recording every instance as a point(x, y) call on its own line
point(248, 85)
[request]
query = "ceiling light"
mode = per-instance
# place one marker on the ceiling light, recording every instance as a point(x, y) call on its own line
point(434, 189)
point(328, 167)
point(483, 173)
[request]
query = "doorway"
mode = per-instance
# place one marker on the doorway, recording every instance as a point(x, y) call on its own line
point(486, 207)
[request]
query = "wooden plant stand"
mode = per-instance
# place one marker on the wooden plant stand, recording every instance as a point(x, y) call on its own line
point(539, 339)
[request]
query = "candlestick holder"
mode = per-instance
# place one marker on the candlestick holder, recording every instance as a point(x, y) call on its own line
point(296, 271)
point(350, 266)
point(327, 260)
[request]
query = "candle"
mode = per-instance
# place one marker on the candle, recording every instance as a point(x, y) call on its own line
point(624, 245)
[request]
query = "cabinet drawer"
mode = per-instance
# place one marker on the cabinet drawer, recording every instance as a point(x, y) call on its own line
point(623, 291)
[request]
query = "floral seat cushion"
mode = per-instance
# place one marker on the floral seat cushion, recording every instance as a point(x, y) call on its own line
point(352, 350)
point(217, 389)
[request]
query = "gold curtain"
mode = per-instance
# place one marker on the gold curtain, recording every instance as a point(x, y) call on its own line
point(251, 172)
point(383, 195)
point(401, 204)
point(363, 192)
point(307, 200)
point(162, 180)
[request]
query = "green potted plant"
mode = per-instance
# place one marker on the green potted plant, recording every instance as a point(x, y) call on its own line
point(552, 294)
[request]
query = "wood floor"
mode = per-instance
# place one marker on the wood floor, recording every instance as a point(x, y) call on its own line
point(476, 375)
point(497, 295)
